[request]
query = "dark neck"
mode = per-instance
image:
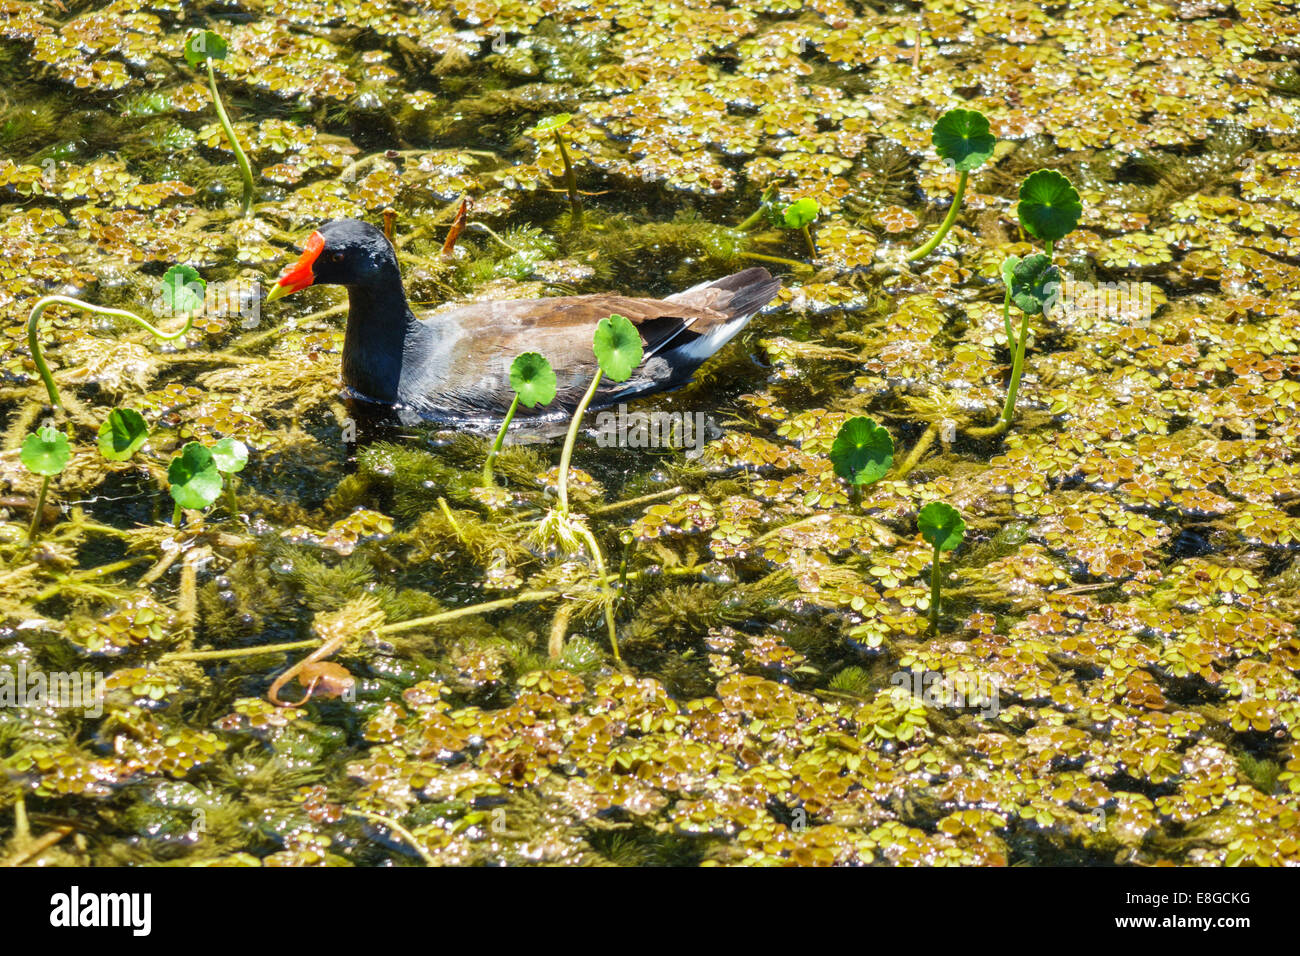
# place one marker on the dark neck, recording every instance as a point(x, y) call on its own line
point(380, 325)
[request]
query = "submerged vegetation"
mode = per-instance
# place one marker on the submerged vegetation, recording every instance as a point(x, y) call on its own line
point(197, 520)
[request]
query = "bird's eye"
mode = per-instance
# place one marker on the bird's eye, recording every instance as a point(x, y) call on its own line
point(337, 257)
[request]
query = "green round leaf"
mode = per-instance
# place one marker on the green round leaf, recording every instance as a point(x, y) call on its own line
point(1035, 283)
point(618, 347)
point(862, 451)
point(231, 455)
point(45, 451)
point(800, 213)
point(183, 289)
point(123, 433)
point(532, 377)
point(550, 124)
point(941, 525)
point(194, 478)
point(962, 138)
point(1049, 206)
point(1008, 268)
point(204, 45)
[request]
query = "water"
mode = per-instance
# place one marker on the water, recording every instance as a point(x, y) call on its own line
point(1124, 595)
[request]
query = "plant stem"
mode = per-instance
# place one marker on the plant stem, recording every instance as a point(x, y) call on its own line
point(451, 518)
point(178, 515)
point(793, 263)
point(812, 246)
point(1017, 367)
point(240, 158)
point(559, 629)
point(1047, 246)
point(1006, 321)
point(34, 330)
point(397, 828)
point(934, 593)
point(590, 538)
point(919, 449)
point(570, 178)
point(629, 542)
point(632, 502)
point(948, 220)
point(467, 611)
point(753, 218)
point(496, 445)
point(440, 618)
point(572, 438)
point(40, 510)
point(479, 224)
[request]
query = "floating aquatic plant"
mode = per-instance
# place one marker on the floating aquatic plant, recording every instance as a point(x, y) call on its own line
point(122, 434)
point(182, 291)
point(862, 452)
point(1049, 206)
point(1032, 283)
point(193, 479)
point(230, 456)
point(962, 139)
point(45, 452)
point(533, 381)
point(800, 215)
point(942, 527)
point(617, 345)
point(204, 46)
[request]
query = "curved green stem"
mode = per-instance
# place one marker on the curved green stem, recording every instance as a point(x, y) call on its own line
point(922, 445)
point(570, 178)
point(757, 214)
point(948, 220)
point(397, 828)
point(40, 510)
point(571, 439)
point(34, 329)
point(629, 541)
point(496, 445)
point(812, 246)
point(240, 158)
point(1017, 367)
point(792, 263)
point(599, 558)
point(934, 593)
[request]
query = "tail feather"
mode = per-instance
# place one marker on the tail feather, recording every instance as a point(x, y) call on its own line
point(738, 297)
point(742, 293)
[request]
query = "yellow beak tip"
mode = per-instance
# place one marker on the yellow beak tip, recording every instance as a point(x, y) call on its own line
point(277, 292)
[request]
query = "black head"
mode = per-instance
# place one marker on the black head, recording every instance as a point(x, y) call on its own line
point(341, 252)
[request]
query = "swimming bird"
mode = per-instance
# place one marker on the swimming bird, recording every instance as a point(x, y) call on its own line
point(454, 366)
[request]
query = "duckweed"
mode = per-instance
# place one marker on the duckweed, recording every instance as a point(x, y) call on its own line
point(1115, 678)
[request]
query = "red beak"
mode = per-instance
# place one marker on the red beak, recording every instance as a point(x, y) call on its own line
point(299, 275)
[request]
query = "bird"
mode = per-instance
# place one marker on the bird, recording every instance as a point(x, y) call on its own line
point(454, 366)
